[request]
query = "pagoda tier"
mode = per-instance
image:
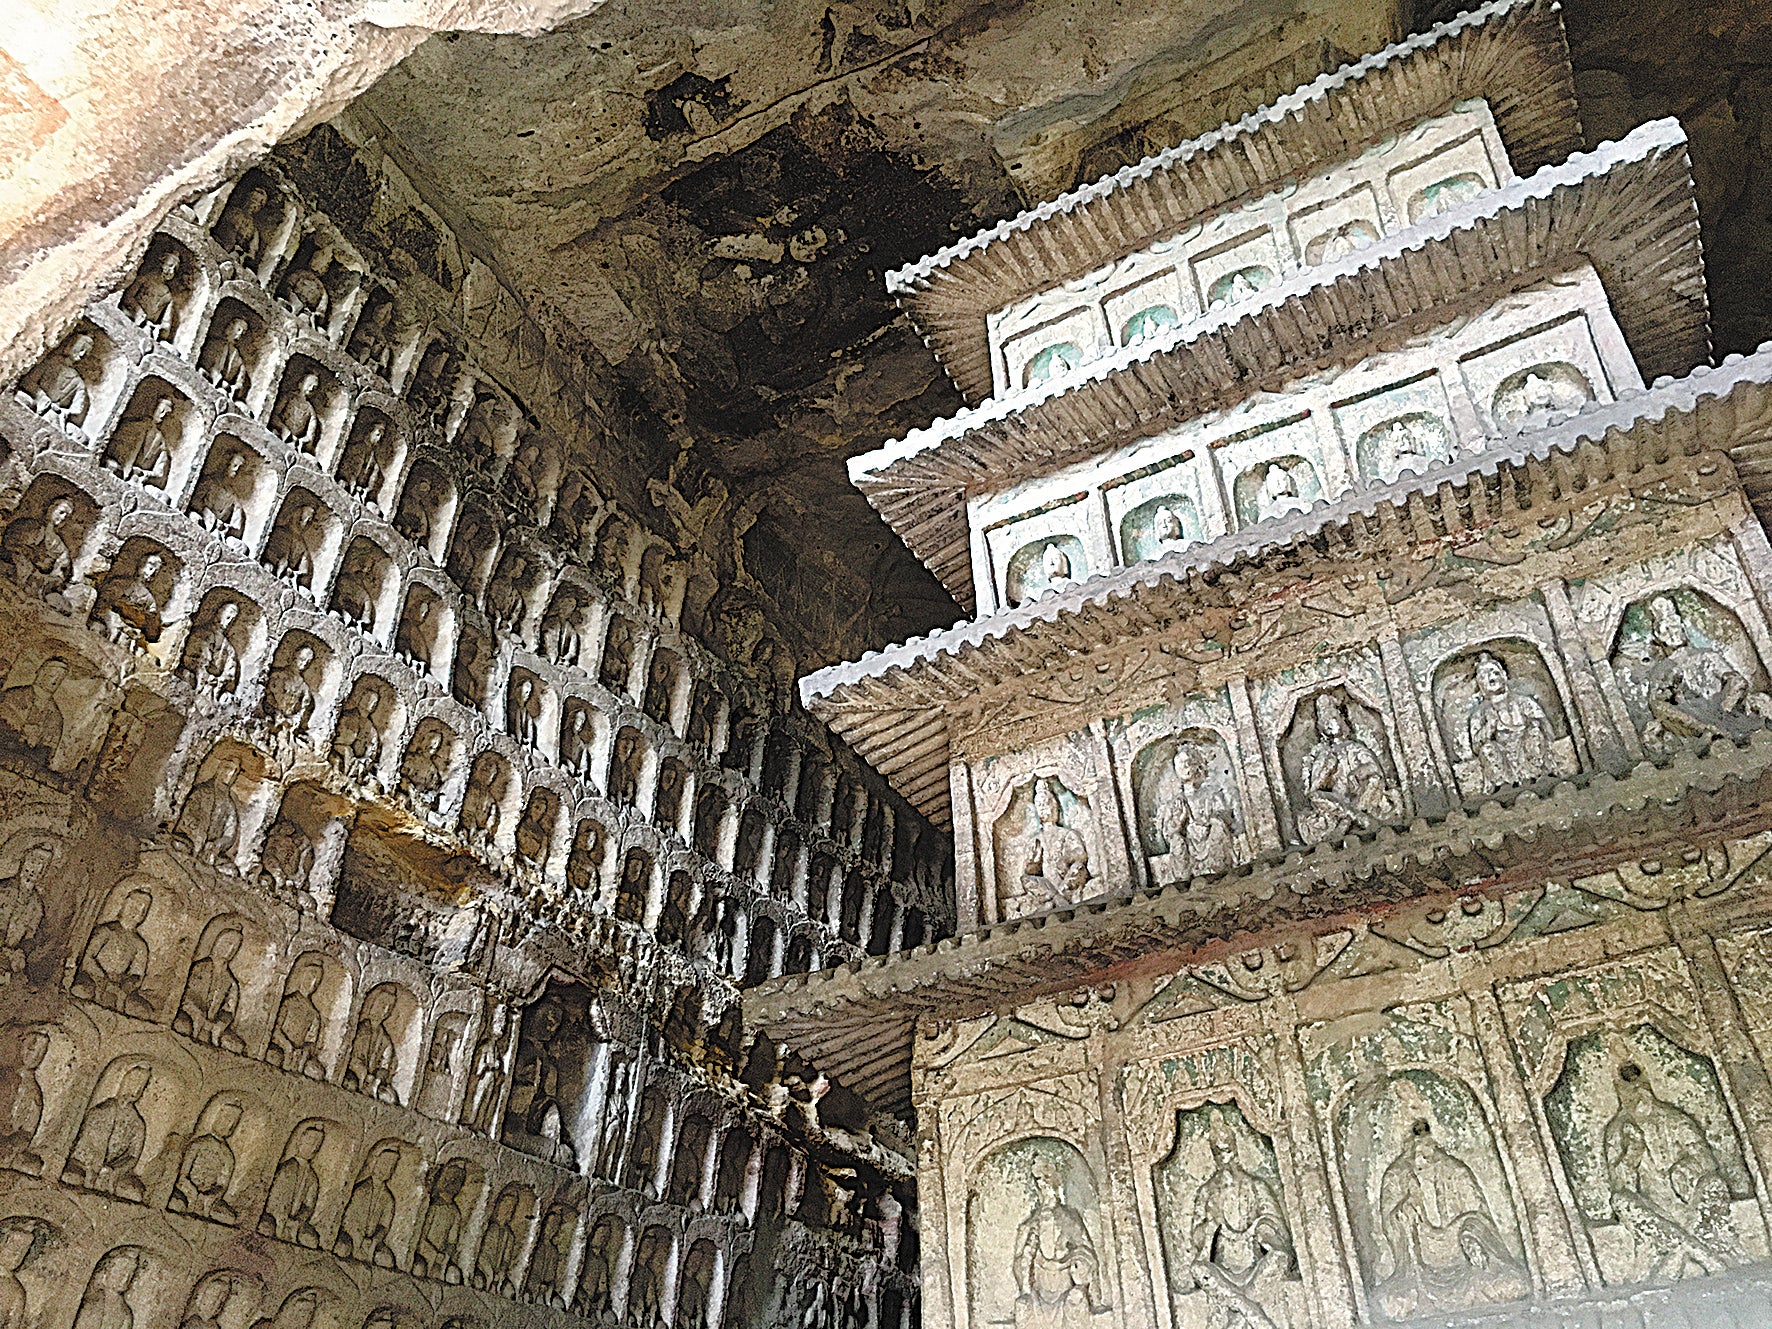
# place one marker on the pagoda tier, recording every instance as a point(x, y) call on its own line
point(1539, 533)
point(952, 490)
point(1510, 55)
point(1360, 770)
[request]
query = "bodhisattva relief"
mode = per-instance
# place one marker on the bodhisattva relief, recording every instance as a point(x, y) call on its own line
point(1043, 855)
point(1228, 1249)
point(1344, 782)
point(1502, 719)
point(1033, 1254)
point(1653, 1157)
point(1689, 672)
point(1429, 1195)
point(1190, 809)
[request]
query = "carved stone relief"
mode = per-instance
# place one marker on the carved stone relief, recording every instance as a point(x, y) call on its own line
point(1033, 1255)
point(1043, 842)
point(1227, 1245)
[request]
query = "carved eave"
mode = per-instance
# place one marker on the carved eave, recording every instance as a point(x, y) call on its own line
point(858, 1023)
point(1627, 208)
point(892, 706)
point(1512, 53)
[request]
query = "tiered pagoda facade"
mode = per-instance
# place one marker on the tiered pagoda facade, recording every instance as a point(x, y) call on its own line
point(1358, 762)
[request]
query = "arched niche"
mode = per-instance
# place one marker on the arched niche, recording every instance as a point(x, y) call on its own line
point(1034, 1239)
point(1033, 572)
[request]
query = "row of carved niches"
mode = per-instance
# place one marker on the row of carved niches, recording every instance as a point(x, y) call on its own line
point(1533, 358)
point(1225, 259)
point(1652, 660)
point(532, 762)
point(252, 1070)
point(556, 632)
point(1464, 1102)
point(584, 657)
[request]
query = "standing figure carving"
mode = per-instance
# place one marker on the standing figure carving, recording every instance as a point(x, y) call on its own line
point(289, 553)
point(500, 1246)
point(240, 229)
point(488, 1071)
point(560, 629)
point(57, 390)
point(422, 771)
point(305, 287)
point(149, 297)
point(358, 588)
point(295, 418)
point(439, 1232)
point(1443, 1248)
point(21, 1100)
point(1344, 784)
point(21, 908)
point(108, 1150)
point(369, 1068)
point(223, 362)
point(289, 697)
point(368, 463)
point(106, 1303)
point(295, 1037)
point(533, 1117)
point(523, 711)
point(129, 606)
point(286, 861)
point(415, 641)
point(369, 1213)
point(1056, 1265)
point(22, 1240)
point(356, 742)
point(208, 826)
point(1054, 862)
point(141, 447)
point(1510, 734)
point(217, 502)
point(211, 663)
point(1667, 1184)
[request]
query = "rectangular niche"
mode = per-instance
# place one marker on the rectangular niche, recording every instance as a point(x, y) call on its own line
point(1295, 444)
point(1536, 376)
point(1020, 568)
point(1145, 308)
point(1336, 227)
point(1238, 268)
point(1040, 353)
point(1134, 500)
point(1449, 175)
point(1398, 428)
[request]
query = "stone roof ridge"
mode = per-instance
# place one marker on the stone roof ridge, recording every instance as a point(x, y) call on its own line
point(906, 279)
point(1590, 425)
point(1645, 139)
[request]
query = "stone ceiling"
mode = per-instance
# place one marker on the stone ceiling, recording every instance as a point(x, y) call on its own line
point(709, 192)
